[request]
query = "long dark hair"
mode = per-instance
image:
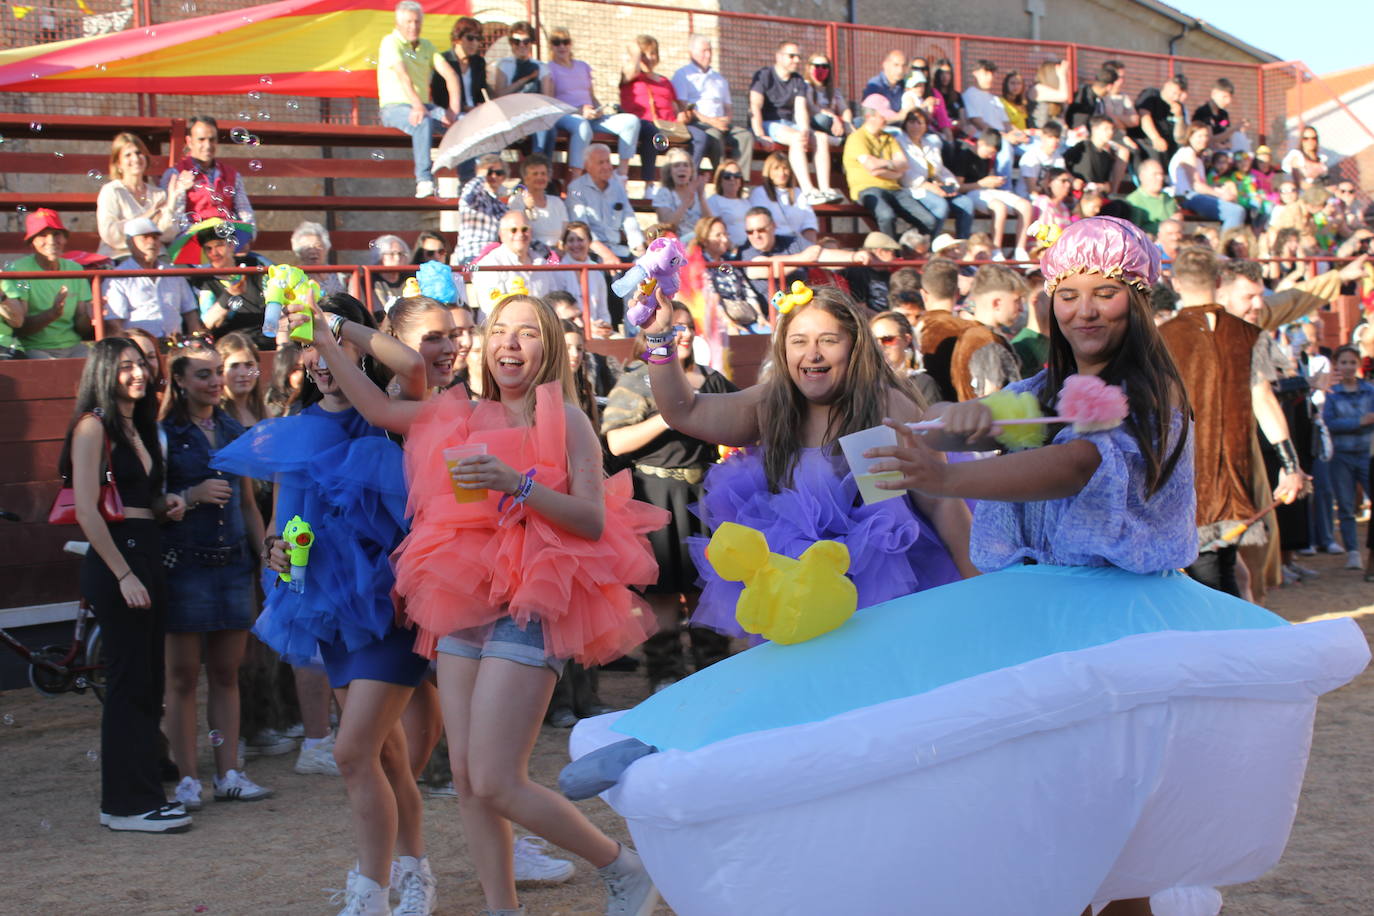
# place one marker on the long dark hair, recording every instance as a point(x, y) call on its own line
point(861, 401)
point(1146, 372)
point(352, 310)
point(95, 393)
point(286, 360)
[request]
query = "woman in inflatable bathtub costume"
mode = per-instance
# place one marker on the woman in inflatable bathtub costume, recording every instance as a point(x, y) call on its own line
point(1083, 724)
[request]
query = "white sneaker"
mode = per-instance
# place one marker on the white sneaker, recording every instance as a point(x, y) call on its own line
point(424, 189)
point(236, 786)
point(1353, 561)
point(417, 887)
point(1305, 572)
point(1335, 547)
point(295, 731)
point(532, 863)
point(364, 897)
point(170, 818)
point(268, 743)
point(445, 791)
point(629, 889)
point(188, 793)
point(1308, 551)
point(318, 760)
point(814, 197)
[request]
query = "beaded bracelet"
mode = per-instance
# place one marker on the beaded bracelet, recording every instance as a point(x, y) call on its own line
point(336, 322)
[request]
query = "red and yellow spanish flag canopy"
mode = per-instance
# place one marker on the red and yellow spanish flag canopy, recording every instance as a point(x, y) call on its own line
point(294, 47)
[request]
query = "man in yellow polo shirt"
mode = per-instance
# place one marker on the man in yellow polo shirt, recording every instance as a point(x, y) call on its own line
point(405, 64)
point(875, 169)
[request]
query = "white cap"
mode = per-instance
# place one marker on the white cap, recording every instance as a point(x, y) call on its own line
point(140, 226)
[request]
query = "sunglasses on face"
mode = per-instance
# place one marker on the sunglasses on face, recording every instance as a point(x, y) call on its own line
point(1309, 136)
point(560, 42)
point(887, 340)
point(730, 176)
point(758, 231)
point(820, 65)
point(792, 56)
point(499, 172)
point(518, 230)
point(469, 36)
point(519, 41)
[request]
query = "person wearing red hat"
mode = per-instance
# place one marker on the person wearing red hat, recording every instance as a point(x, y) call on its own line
point(54, 315)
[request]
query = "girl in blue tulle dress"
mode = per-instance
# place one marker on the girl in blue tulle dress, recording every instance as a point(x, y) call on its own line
point(1082, 724)
point(828, 380)
point(345, 478)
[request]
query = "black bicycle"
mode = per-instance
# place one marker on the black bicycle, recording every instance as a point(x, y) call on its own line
point(72, 668)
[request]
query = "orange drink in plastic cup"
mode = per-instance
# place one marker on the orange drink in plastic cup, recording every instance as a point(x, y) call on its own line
point(452, 456)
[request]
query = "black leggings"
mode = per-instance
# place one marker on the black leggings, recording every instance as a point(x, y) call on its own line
point(133, 639)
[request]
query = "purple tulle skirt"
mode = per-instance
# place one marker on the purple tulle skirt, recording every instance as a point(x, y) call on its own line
point(893, 548)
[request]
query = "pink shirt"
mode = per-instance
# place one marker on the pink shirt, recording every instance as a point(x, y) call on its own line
point(572, 84)
point(650, 98)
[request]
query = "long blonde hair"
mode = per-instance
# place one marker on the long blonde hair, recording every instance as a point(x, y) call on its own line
point(860, 403)
point(554, 367)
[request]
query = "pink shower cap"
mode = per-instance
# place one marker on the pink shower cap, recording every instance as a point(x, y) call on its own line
point(1102, 245)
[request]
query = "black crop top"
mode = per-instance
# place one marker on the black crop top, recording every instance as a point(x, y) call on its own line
point(133, 483)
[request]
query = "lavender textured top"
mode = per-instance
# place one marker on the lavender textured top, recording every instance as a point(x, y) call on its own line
point(1110, 522)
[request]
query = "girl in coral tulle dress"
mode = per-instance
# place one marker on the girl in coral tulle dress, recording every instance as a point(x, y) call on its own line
point(518, 559)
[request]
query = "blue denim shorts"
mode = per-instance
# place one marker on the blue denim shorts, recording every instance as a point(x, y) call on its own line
point(770, 128)
point(503, 639)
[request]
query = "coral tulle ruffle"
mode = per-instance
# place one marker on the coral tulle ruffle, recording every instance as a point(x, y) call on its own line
point(464, 565)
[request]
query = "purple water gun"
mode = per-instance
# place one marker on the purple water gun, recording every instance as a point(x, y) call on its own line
point(657, 267)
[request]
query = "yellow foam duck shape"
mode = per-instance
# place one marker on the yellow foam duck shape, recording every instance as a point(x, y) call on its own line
point(800, 294)
point(785, 600)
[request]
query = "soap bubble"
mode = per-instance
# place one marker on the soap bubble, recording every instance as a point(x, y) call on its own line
point(372, 244)
point(21, 210)
point(224, 231)
point(239, 135)
point(188, 7)
point(371, 61)
point(92, 756)
point(36, 126)
point(378, 155)
point(151, 33)
point(271, 187)
point(2, 138)
point(60, 155)
point(724, 268)
point(264, 116)
point(265, 80)
point(95, 175)
point(254, 94)
point(345, 70)
point(253, 140)
point(216, 737)
point(101, 67)
point(244, 116)
point(293, 105)
point(661, 143)
point(45, 824)
point(9, 719)
point(255, 164)
point(248, 19)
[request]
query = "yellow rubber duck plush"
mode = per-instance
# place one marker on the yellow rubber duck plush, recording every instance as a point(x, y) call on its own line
point(784, 600)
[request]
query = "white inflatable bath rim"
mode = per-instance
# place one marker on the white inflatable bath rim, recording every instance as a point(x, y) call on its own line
point(763, 770)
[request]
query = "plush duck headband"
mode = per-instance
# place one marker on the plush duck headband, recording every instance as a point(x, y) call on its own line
point(1101, 245)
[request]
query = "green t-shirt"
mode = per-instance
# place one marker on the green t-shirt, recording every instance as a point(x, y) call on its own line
point(418, 63)
point(1032, 350)
point(39, 295)
point(1148, 212)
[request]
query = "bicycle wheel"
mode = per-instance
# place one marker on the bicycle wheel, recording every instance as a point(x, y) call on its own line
point(95, 657)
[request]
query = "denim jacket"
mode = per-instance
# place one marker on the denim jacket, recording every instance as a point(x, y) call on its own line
point(188, 463)
point(1342, 412)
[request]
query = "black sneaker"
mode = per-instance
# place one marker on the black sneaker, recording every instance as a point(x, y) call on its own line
point(170, 818)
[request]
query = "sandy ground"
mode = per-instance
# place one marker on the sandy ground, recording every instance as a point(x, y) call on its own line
point(277, 856)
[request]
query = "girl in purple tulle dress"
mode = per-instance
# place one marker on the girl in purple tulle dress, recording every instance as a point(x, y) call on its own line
point(828, 379)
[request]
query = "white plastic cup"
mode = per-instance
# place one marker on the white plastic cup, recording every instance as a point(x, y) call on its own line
point(452, 456)
point(854, 445)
